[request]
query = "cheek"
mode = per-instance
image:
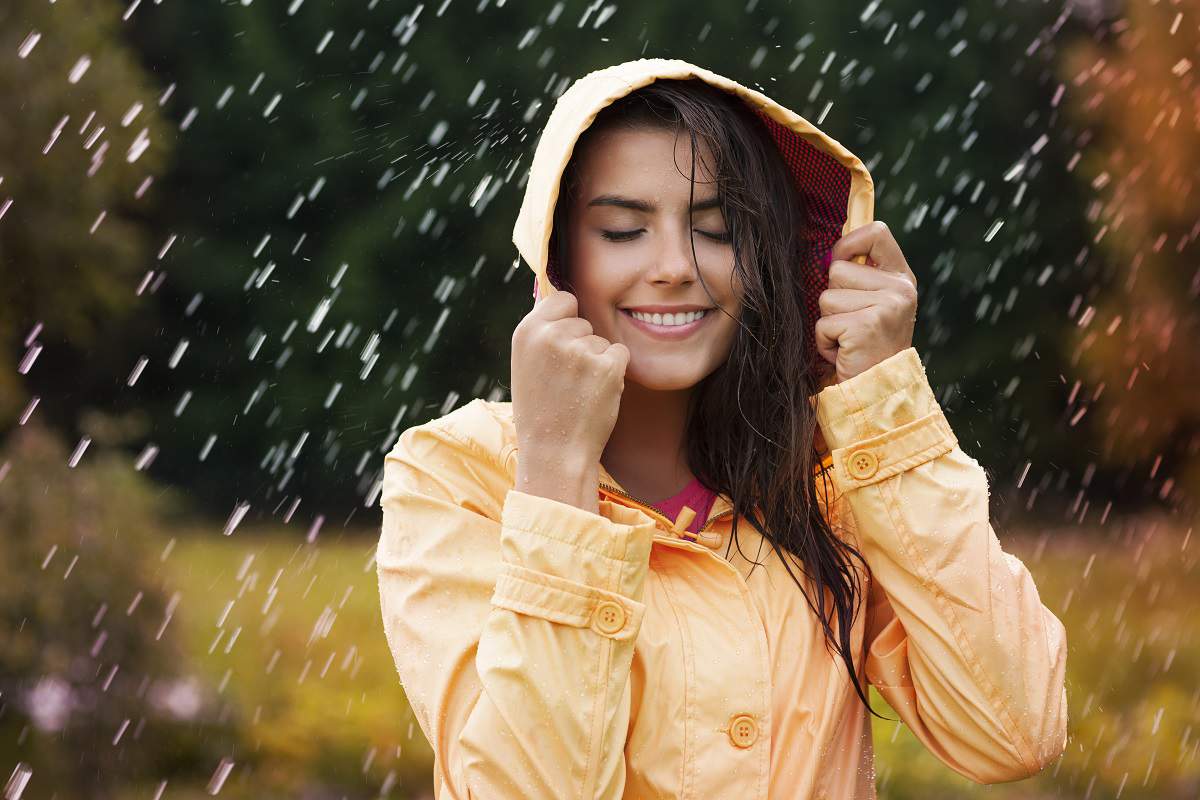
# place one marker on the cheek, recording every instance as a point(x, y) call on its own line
point(601, 274)
point(598, 292)
point(729, 301)
point(729, 330)
point(733, 284)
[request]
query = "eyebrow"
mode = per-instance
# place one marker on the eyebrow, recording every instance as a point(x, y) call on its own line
point(645, 207)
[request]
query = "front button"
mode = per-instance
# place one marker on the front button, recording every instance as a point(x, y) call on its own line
point(610, 617)
point(862, 464)
point(743, 730)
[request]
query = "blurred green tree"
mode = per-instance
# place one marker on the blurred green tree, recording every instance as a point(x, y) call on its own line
point(80, 140)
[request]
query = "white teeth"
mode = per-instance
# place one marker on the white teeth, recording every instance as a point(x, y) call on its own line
point(669, 320)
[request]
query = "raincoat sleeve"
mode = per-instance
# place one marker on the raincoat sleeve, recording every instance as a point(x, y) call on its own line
point(957, 639)
point(511, 618)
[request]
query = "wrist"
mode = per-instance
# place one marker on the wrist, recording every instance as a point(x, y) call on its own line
point(558, 476)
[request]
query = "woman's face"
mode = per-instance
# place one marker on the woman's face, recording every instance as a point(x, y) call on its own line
point(630, 249)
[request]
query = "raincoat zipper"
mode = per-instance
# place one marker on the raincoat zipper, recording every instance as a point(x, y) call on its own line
point(827, 461)
point(650, 510)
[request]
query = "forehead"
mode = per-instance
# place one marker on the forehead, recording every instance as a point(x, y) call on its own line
point(644, 162)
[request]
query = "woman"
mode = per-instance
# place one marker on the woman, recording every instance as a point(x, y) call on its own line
point(640, 578)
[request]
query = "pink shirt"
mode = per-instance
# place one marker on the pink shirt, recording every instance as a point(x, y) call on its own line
point(694, 496)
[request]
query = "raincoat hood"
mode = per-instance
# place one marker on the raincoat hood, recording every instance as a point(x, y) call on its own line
point(836, 190)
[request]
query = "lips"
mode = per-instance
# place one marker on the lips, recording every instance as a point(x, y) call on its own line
point(667, 332)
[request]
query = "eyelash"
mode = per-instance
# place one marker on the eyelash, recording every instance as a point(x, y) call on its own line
point(625, 236)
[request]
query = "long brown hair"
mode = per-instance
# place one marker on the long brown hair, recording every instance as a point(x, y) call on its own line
point(750, 426)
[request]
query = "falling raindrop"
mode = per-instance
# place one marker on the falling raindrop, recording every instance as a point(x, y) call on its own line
point(58, 129)
point(146, 458)
point(219, 776)
point(80, 69)
point(25, 415)
point(137, 371)
point(78, 452)
point(28, 43)
point(18, 781)
point(235, 518)
point(314, 529)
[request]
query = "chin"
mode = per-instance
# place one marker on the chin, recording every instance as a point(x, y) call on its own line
point(662, 379)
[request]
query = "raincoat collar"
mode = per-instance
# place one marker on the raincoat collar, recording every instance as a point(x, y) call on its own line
point(720, 505)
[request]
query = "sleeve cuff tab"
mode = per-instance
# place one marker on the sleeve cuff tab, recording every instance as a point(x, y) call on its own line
point(880, 457)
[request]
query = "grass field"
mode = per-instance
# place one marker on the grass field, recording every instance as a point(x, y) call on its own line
point(289, 633)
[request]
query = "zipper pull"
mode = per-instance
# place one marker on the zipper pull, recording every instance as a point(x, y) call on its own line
point(680, 529)
point(686, 515)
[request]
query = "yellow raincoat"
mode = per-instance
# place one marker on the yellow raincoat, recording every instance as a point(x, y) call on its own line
point(549, 652)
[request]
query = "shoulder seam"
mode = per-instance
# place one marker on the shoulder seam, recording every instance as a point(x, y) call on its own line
point(441, 427)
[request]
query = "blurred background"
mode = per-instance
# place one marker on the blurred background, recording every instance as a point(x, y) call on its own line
point(244, 244)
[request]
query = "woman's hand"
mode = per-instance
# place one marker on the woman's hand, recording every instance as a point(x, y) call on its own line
point(868, 311)
point(566, 390)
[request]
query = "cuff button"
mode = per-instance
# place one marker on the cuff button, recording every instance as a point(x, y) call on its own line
point(610, 617)
point(862, 464)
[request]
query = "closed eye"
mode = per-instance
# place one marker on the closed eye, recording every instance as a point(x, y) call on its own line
point(620, 236)
point(625, 236)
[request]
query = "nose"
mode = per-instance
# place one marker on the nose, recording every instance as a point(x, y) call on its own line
point(673, 263)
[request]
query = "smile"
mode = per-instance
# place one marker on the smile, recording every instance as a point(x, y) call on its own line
point(668, 330)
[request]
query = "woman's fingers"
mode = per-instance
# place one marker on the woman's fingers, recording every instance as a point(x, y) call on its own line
point(619, 353)
point(876, 242)
point(828, 329)
point(848, 275)
point(840, 301)
point(594, 344)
